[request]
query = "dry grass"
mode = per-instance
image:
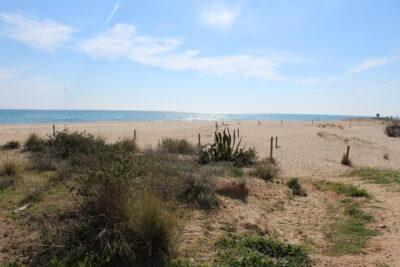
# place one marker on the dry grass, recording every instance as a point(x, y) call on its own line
point(11, 145)
point(265, 169)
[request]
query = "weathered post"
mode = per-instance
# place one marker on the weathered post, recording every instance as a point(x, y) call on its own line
point(54, 129)
point(199, 140)
point(238, 133)
point(350, 124)
point(134, 134)
point(276, 141)
point(271, 148)
point(312, 123)
point(216, 126)
point(259, 122)
point(348, 152)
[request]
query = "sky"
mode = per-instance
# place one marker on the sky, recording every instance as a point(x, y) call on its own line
point(249, 56)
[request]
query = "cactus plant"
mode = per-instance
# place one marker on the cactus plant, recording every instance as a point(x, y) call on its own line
point(226, 147)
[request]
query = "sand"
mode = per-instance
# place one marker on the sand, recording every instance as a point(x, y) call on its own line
point(303, 149)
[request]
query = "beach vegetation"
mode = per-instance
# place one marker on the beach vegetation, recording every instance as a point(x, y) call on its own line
point(349, 233)
point(296, 187)
point(34, 143)
point(342, 188)
point(379, 176)
point(227, 147)
point(12, 145)
point(252, 250)
point(265, 169)
point(176, 146)
point(392, 129)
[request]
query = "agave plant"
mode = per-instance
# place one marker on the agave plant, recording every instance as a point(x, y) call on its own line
point(227, 148)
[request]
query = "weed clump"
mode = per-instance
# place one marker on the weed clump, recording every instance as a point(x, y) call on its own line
point(227, 148)
point(265, 169)
point(344, 189)
point(12, 145)
point(393, 129)
point(128, 145)
point(259, 251)
point(10, 168)
point(176, 146)
point(350, 235)
point(296, 187)
point(379, 176)
point(34, 143)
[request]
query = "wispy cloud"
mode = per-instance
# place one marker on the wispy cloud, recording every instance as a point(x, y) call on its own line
point(7, 74)
point(373, 63)
point(44, 34)
point(219, 17)
point(124, 41)
point(115, 9)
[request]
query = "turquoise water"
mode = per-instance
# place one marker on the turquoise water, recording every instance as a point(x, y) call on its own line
point(14, 116)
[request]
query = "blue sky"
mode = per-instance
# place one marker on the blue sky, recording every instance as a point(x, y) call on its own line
point(255, 56)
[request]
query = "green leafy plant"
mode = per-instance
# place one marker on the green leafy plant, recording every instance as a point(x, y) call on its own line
point(227, 147)
point(296, 187)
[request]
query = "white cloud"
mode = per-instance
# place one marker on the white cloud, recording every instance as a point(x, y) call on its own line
point(124, 41)
point(7, 74)
point(373, 63)
point(115, 9)
point(219, 17)
point(44, 34)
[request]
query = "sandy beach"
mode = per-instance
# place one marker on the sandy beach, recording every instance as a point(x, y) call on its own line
point(304, 148)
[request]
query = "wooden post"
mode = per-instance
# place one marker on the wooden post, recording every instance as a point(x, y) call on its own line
point(216, 126)
point(276, 141)
point(350, 124)
point(348, 152)
point(134, 134)
point(271, 148)
point(199, 140)
point(259, 122)
point(312, 123)
point(238, 122)
point(238, 133)
point(54, 129)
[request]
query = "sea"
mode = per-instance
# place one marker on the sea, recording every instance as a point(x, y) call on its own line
point(34, 116)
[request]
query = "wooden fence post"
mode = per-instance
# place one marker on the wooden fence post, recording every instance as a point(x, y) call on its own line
point(54, 129)
point(134, 134)
point(348, 152)
point(199, 140)
point(276, 141)
point(216, 126)
point(271, 148)
point(312, 123)
point(238, 133)
point(259, 122)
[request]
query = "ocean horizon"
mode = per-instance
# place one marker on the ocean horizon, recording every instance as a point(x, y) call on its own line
point(36, 116)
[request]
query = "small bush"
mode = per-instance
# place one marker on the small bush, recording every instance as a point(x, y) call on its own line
point(200, 191)
point(297, 189)
point(176, 146)
point(43, 161)
point(393, 129)
point(232, 189)
point(265, 169)
point(128, 145)
point(259, 251)
point(236, 172)
point(6, 182)
point(10, 168)
point(345, 160)
point(34, 143)
point(12, 145)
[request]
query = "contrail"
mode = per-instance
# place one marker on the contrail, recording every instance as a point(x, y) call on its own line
point(116, 7)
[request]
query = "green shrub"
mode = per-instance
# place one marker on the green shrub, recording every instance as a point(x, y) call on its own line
point(225, 148)
point(236, 172)
point(43, 161)
point(176, 146)
point(199, 191)
point(34, 143)
point(265, 169)
point(259, 251)
point(128, 145)
point(297, 189)
point(12, 145)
